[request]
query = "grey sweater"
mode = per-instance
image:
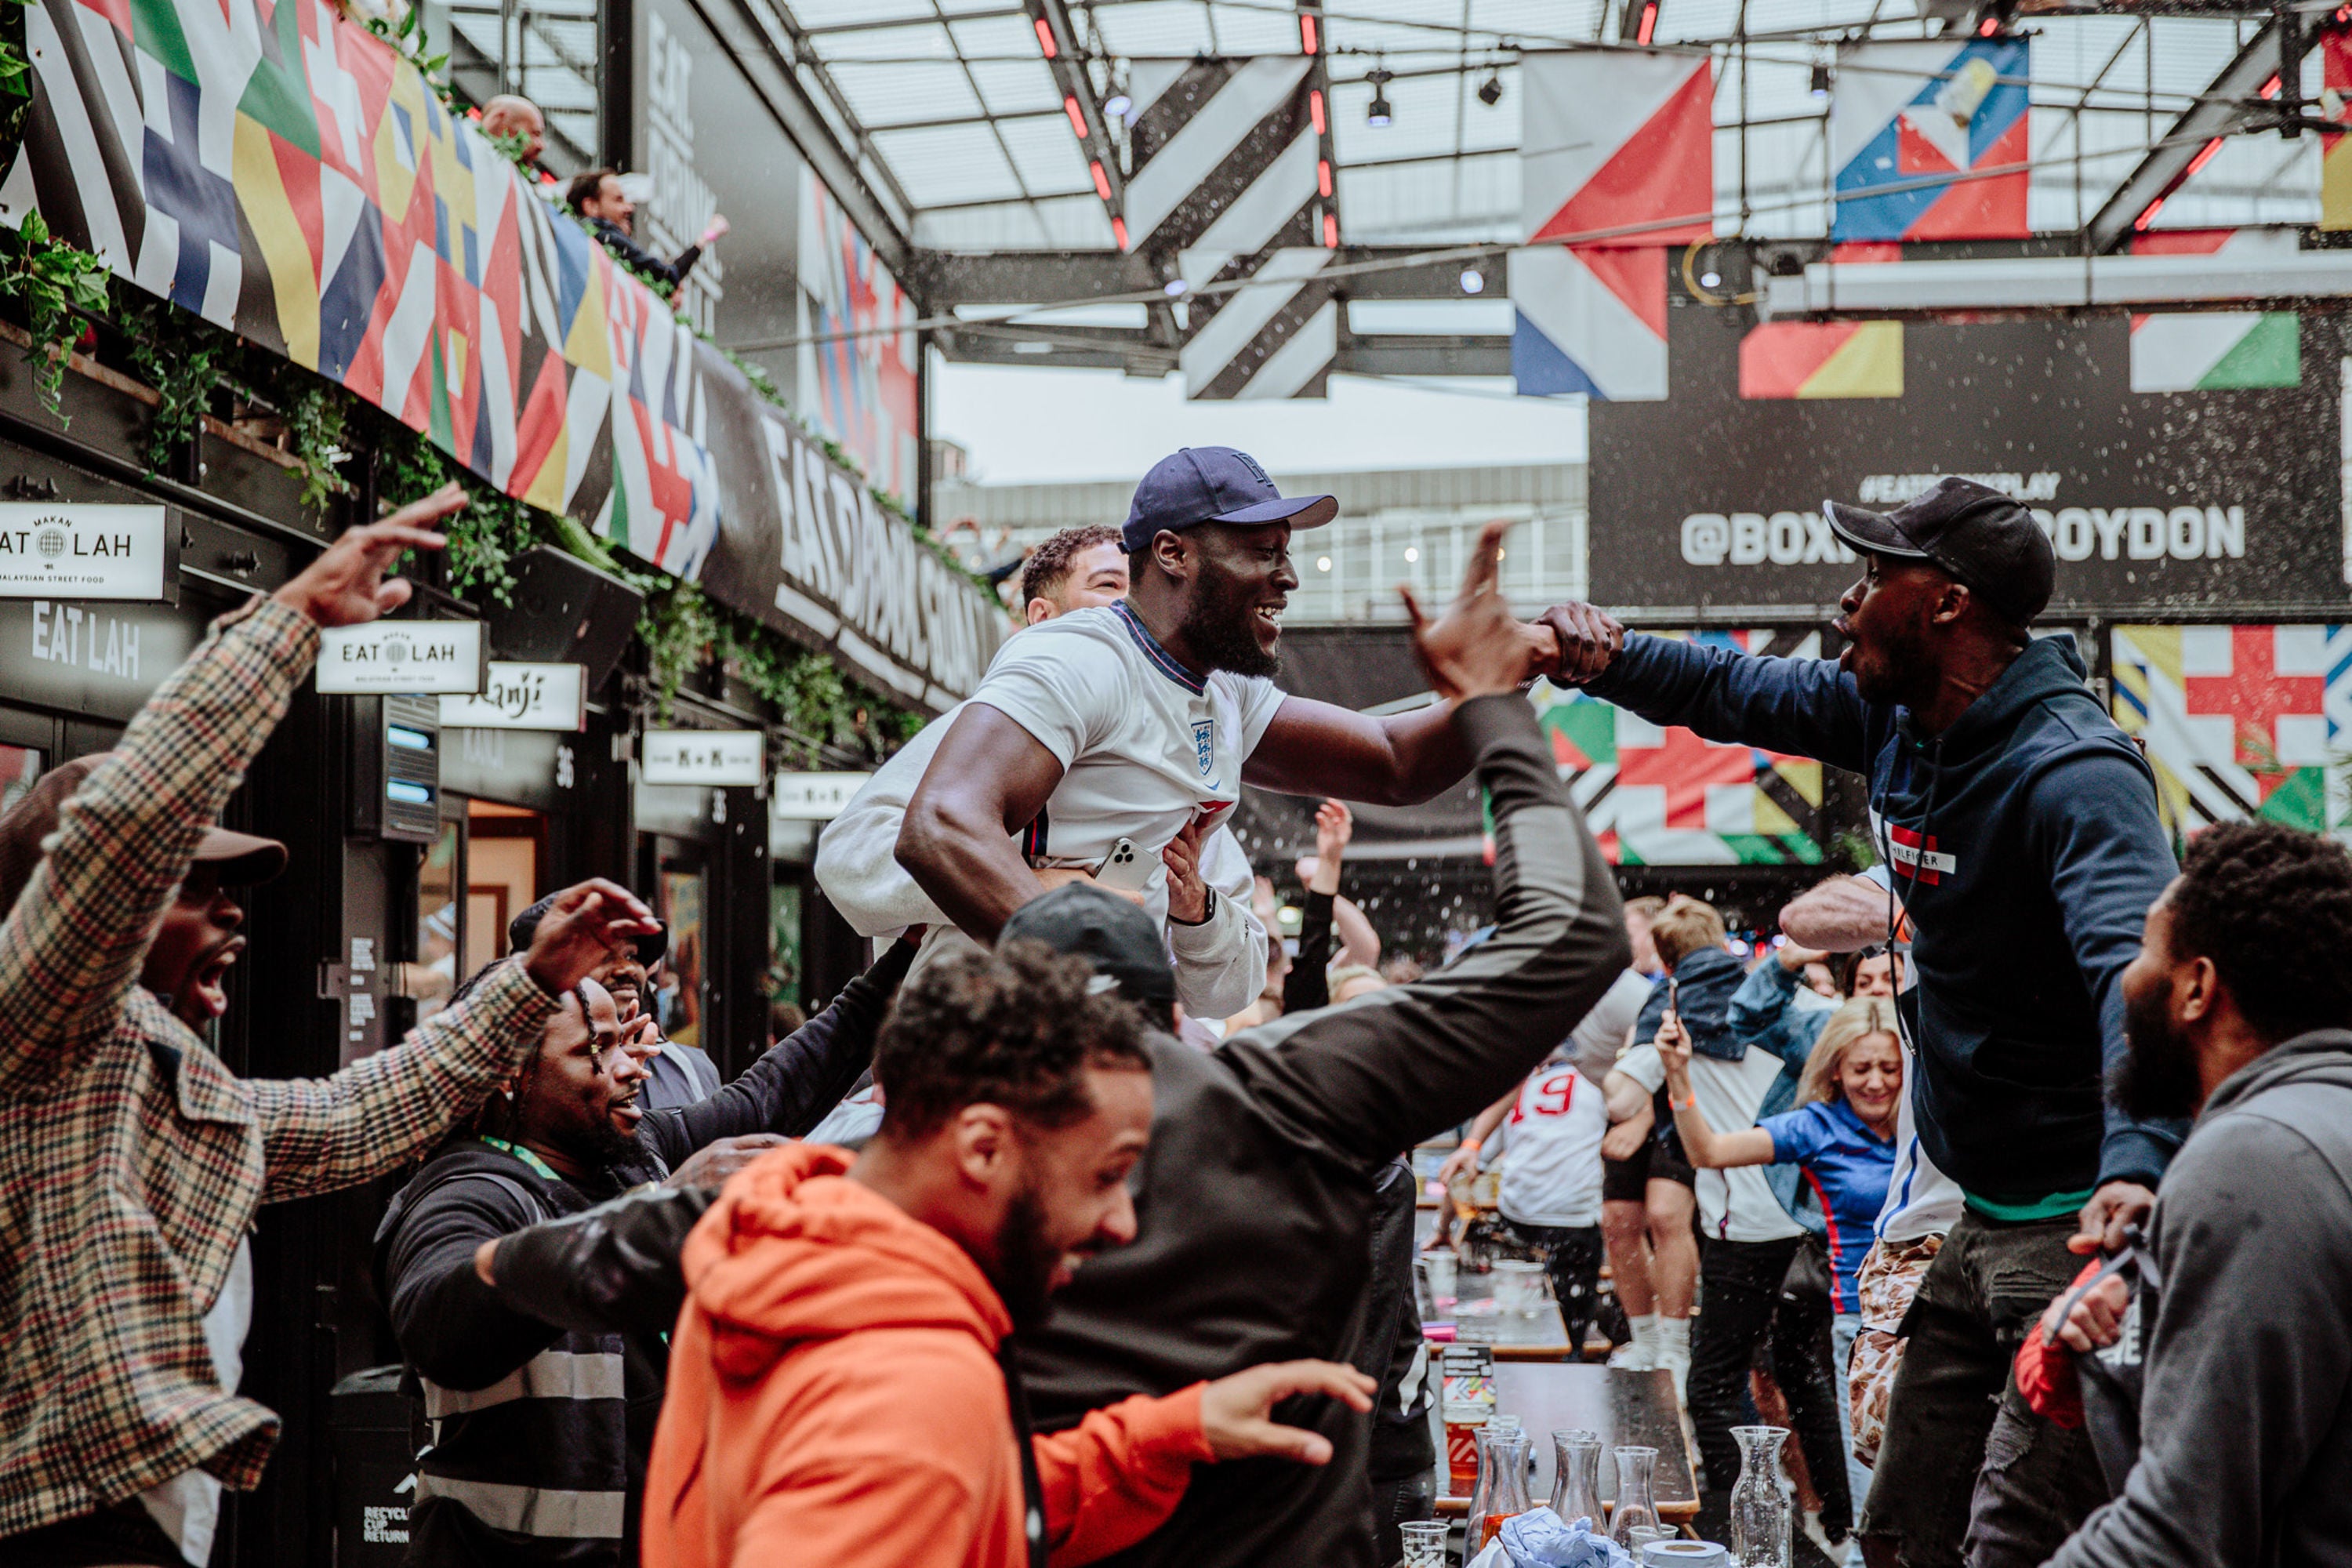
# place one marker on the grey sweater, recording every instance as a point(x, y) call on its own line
point(2246, 1423)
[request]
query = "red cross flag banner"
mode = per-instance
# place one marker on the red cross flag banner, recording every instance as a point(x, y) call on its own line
point(2240, 722)
point(286, 175)
point(1667, 797)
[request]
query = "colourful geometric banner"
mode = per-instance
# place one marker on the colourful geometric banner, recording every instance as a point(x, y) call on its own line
point(858, 390)
point(1666, 797)
point(1822, 359)
point(288, 177)
point(1590, 319)
point(2240, 722)
point(1612, 139)
point(1908, 119)
point(2214, 351)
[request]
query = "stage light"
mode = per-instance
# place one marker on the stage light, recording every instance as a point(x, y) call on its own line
point(1322, 564)
point(1119, 106)
point(1473, 280)
point(1412, 554)
point(1821, 84)
point(1382, 112)
point(1173, 287)
point(1490, 92)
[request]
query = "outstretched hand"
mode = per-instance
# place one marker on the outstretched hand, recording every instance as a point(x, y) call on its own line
point(1674, 1045)
point(587, 924)
point(1586, 641)
point(1474, 648)
point(346, 585)
point(1237, 1412)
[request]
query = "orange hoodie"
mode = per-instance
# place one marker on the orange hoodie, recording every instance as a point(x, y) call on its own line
point(834, 1398)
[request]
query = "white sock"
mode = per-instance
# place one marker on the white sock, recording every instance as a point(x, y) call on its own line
point(1673, 1337)
point(1645, 1329)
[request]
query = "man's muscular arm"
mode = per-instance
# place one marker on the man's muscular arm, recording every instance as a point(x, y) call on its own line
point(1320, 749)
point(1842, 915)
point(988, 780)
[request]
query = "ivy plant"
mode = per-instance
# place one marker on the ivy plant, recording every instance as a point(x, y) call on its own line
point(58, 284)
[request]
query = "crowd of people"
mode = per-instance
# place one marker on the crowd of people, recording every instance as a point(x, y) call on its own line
point(2016, 1169)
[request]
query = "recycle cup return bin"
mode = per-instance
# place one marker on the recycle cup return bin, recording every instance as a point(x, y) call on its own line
point(375, 1443)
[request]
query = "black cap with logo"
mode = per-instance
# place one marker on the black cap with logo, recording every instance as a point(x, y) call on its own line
point(1109, 932)
point(1979, 536)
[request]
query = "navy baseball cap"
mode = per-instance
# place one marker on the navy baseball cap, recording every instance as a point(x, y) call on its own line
point(1214, 484)
point(1972, 531)
point(1127, 951)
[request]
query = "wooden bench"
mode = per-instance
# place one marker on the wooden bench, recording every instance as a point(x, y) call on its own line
point(1627, 1409)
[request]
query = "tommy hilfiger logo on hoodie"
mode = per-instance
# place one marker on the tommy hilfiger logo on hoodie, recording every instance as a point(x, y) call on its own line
point(1919, 854)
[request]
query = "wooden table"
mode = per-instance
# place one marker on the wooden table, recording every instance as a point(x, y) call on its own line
point(1627, 1409)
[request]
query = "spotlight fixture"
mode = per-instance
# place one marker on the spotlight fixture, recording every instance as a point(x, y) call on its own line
point(1473, 280)
point(1381, 112)
point(1821, 83)
point(1119, 106)
point(1490, 92)
point(1710, 279)
point(1174, 287)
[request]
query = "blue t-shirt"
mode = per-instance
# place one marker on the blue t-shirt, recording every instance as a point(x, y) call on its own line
point(1849, 1167)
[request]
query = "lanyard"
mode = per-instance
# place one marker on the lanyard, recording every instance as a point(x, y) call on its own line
point(537, 1166)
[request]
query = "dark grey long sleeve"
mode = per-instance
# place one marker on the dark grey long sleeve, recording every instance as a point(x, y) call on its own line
point(2246, 1407)
point(1367, 1081)
point(611, 1269)
point(799, 1079)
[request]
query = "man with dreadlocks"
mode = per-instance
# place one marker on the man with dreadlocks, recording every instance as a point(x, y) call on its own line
point(541, 1437)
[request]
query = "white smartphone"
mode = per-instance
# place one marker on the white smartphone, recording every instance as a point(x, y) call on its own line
point(1126, 869)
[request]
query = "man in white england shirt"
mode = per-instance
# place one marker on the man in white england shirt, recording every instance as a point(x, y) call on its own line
point(1139, 721)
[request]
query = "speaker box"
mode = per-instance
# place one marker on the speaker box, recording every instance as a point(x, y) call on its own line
point(564, 611)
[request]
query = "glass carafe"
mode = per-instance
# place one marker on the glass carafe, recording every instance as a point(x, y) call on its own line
point(1576, 1477)
point(1637, 1502)
point(1502, 1490)
point(1760, 1511)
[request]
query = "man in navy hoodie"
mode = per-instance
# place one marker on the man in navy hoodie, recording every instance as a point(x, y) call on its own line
point(2021, 827)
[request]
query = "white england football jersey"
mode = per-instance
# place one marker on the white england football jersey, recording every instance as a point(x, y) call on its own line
point(1143, 746)
point(1551, 1152)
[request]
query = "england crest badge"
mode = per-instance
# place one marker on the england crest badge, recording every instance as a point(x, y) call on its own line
point(1205, 745)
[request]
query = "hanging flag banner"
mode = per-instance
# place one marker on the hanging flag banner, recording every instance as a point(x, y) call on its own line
point(1911, 124)
point(1612, 139)
point(2335, 155)
point(1664, 796)
point(2213, 351)
point(286, 175)
point(1822, 359)
point(1589, 319)
point(2240, 722)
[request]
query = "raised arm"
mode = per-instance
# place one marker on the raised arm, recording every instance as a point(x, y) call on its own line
point(1321, 749)
point(1220, 962)
point(1807, 707)
point(1705, 1148)
point(612, 1268)
point(72, 946)
point(1371, 1078)
point(799, 1079)
point(374, 1116)
point(988, 780)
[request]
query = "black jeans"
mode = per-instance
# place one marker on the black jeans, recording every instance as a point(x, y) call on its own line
point(2032, 1483)
point(125, 1533)
point(1398, 1502)
point(1739, 1282)
point(1572, 1258)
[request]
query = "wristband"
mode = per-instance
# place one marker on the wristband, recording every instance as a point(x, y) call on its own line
point(1690, 1104)
point(1208, 911)
point(1473, 1144)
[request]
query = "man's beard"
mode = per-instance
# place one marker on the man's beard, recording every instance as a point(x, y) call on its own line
point(1025, 1262)
point(1220, 627)
point(2157, 1079)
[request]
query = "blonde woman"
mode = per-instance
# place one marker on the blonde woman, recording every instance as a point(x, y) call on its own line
point(1841, 1135)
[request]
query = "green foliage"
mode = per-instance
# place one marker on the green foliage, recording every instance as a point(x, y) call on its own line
point(677, 625)
point(58, 284)
point(1854, 847)
point(317, 413)
point(185, 358)
point(407, 38)
point(15, 70)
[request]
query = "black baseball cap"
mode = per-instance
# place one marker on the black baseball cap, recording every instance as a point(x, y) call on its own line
point(1979, 536)
point(650, 945)
point(1214, 484)
point(1114, 935)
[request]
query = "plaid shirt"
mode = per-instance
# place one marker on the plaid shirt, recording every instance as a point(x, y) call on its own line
point(131, 1161)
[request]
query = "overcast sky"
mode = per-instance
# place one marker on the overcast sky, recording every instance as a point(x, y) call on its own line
point(1024, 426)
